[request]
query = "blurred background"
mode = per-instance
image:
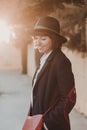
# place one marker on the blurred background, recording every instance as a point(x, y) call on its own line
point(17, 18)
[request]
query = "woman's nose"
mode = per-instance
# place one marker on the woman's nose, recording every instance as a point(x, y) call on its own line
point(38, 42)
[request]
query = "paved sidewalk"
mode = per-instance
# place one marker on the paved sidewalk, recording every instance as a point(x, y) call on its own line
point(14, 103)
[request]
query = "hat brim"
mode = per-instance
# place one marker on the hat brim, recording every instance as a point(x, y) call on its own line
point(61, 38)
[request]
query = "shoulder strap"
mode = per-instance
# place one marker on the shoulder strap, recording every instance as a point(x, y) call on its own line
point(50, 108)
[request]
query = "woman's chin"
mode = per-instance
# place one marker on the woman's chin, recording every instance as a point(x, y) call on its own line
point(40, 51)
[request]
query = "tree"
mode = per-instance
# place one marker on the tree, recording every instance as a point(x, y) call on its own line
point(23, 13)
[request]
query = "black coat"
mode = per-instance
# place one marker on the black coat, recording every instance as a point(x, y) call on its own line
point(55, 81)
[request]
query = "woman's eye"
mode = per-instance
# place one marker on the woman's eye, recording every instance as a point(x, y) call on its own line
point(43, 38)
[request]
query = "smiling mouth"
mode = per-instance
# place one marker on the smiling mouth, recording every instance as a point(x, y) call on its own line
point(40, 48)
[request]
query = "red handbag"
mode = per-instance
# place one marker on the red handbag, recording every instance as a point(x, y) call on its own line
point(33, 122)
point(36, 122)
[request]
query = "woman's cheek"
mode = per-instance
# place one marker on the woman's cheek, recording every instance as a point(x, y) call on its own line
point(35, 46)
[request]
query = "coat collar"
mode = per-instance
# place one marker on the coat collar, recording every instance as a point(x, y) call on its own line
point(48, 61)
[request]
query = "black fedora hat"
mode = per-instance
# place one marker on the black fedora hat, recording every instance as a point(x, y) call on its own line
point(50, 24)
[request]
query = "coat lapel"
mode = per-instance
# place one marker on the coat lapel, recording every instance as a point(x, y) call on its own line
point(42, 71)
point(48, 61)
point(35, 75)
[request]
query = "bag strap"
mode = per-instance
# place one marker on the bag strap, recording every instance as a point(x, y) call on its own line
point(50, 108)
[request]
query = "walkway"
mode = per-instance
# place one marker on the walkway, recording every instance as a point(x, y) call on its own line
point(14, 103)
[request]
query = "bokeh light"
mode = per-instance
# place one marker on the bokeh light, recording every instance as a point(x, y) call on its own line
point(6, 31)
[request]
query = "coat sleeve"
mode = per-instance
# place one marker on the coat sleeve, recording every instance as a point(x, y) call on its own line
point(66, 87)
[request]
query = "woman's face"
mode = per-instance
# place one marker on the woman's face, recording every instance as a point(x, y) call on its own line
point(43, 43)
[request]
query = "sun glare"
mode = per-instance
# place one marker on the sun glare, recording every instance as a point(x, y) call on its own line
point(5, 32)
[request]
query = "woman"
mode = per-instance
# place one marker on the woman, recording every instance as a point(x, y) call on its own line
point(53, 80)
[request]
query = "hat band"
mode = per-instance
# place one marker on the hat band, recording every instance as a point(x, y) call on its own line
point(46, 28)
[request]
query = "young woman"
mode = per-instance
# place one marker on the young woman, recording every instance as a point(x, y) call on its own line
point(53, 80)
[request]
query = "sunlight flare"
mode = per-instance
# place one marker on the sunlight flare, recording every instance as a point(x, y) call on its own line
point(5, 31)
